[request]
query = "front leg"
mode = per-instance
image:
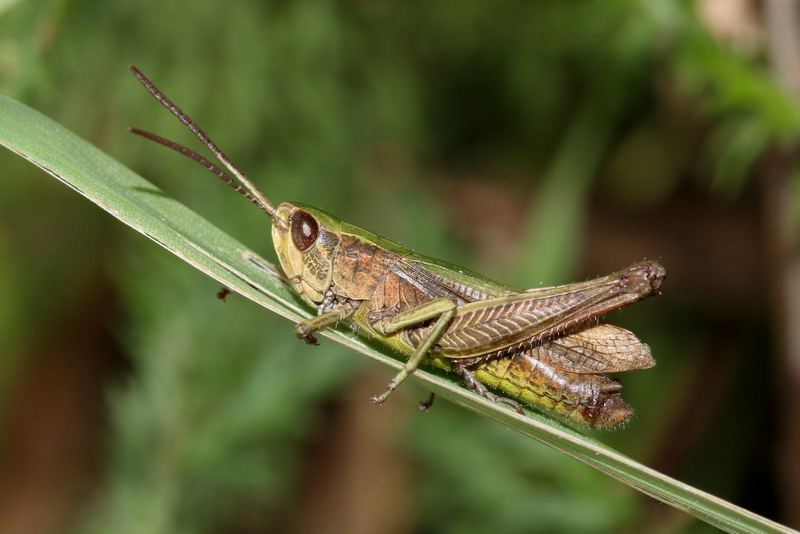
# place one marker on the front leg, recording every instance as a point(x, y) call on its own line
point(305, 329)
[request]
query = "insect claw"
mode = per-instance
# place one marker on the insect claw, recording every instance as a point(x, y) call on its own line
point(222, 293)
point(513, 404)
point(305, 333)
point(426, 404)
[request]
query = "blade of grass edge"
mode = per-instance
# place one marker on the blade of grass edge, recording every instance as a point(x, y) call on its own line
point(148, 210)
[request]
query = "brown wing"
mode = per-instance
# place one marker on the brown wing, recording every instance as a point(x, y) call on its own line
point(601, 348)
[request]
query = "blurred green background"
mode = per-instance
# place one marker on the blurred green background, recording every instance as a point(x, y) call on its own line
point(536, 142)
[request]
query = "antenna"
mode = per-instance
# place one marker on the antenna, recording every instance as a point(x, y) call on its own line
point(241, 183)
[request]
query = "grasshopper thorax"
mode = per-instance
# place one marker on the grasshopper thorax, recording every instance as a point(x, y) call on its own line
point(306, 244)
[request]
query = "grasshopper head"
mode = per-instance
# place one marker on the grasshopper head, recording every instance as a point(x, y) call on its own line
point(306, 245)
point(305, 238)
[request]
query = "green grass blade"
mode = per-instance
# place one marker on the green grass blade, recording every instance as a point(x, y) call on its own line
point(147, 209)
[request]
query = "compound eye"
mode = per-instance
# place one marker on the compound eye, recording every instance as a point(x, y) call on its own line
point(304, 230)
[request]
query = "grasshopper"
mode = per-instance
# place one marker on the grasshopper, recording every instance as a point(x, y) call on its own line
point(543, 347)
